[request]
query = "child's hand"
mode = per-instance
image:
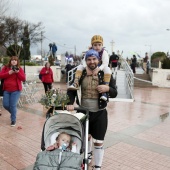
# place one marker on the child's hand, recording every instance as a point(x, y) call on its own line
point(52, 147)
point(74, 144)
point(95, 72)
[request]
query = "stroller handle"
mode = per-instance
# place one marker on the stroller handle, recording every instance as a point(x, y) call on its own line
point(76, 108)
point(82, 110)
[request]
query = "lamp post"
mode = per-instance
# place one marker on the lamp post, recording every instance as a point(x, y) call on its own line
point(150, 49)
point(24, 40)
point(168, 51)
point(150, 46)
point(112, 44)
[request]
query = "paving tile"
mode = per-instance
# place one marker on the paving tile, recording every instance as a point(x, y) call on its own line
point(131, 127)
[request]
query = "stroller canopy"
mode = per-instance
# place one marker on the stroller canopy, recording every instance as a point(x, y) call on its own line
point(62, 122)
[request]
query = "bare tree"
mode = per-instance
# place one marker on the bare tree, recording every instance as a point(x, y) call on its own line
point(4, 6)
point(15, 32)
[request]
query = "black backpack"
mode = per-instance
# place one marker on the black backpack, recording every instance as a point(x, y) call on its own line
point(1, 87)
point(40, 76)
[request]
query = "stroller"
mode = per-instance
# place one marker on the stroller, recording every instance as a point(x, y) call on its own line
point(57, 159)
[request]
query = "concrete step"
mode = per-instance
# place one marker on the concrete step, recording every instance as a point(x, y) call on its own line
point(145, 86)
point(143, 76)
point(142, 83)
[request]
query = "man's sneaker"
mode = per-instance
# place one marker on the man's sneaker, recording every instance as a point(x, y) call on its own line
point(73, 87)
point(13, 123)
point(104, 97)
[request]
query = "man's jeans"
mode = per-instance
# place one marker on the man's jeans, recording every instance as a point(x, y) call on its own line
point(10, 100)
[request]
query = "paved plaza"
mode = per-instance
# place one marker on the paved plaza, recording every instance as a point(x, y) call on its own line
point(138, 136)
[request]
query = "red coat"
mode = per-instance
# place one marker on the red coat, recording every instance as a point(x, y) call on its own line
point(47, 75)
point(14, 81)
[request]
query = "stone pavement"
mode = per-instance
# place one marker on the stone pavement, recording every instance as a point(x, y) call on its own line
point(138, 136)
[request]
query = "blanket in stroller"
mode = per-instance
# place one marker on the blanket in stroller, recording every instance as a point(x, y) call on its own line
point(49, 160)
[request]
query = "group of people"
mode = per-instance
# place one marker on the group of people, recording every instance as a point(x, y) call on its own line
point(145, 64)
point(93, 78)
point(53, 49)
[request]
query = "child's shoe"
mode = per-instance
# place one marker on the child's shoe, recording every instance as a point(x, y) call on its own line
point(96, 167)
point(90, 154)
point(74, 86)
point(104, 96)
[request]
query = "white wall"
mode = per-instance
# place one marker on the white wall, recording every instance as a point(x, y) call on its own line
point(160, 77)
point(32, 72)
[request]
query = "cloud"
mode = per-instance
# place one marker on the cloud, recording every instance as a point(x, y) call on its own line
point(130, 24)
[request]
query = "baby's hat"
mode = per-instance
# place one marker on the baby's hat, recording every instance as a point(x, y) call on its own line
point(91, 53)
point(96, 39)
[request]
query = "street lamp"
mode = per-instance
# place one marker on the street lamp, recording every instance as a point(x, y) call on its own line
point(150, 48)
point(168, 52)
point(112, 45)
point(23, 38)
point(149, 52)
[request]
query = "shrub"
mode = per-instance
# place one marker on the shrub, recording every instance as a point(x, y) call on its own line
point(29, 63)
point(166, 63)
point(5, 60)
point(158, 56)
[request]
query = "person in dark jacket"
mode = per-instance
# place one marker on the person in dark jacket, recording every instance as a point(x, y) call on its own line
point(89, 97)
point(133, 64)
point(68, 67)
point(13, 76)
point(54, 50)
point(47, 77)
point(145, 60)
point(113, 61)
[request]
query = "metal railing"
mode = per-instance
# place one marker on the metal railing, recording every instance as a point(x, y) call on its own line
point(129, 79)
point(128, 83)
point(70, 76)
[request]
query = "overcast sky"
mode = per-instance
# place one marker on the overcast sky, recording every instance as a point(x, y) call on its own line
point(131, 24)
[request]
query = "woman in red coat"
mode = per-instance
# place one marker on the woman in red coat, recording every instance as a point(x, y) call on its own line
point(47, 77)
point(13, 76)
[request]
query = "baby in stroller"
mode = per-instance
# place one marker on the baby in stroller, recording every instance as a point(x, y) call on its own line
point(63, 142)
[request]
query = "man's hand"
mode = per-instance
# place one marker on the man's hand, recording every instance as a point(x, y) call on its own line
point(70, 107)
point(102, 88)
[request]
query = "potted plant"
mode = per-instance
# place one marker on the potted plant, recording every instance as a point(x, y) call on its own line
point(54, 99)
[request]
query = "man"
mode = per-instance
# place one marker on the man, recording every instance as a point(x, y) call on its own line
point(54, 50)
point(113, 61)
point(145, 60)
point(92, 87)
point(133, 64)
point(68, 67)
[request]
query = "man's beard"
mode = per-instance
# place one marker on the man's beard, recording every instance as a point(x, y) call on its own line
point(92, 67)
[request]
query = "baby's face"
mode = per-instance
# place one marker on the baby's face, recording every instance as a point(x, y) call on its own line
point(97, 46)
point(64, 139)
